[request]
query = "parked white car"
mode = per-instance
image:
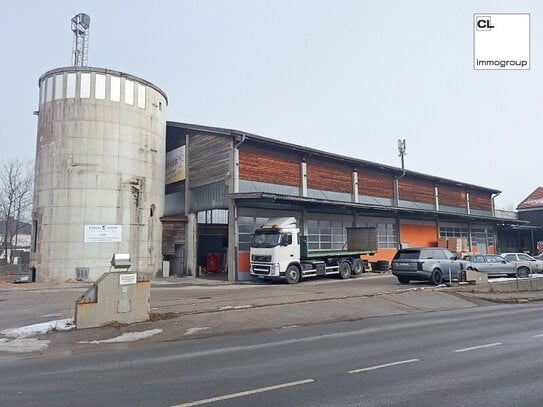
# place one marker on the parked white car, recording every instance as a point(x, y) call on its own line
point(535, 265)
point(495, 265)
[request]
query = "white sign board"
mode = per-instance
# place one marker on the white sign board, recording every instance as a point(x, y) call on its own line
point(125, 279)
point(103, 233)
point(501, 41)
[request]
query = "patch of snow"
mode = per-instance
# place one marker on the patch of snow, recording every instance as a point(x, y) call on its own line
point(191, 331)
point(23, 345)
point(39, 329)
point(127, 337)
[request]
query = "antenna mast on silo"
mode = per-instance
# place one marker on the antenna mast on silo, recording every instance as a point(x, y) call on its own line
point(80, 27)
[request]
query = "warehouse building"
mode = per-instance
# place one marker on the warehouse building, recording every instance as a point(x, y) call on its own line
point(100, 188)
point(222, 184)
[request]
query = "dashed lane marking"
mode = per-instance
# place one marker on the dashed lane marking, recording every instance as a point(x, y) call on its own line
point(244, 393)
point(365, 369)
point(488, 345)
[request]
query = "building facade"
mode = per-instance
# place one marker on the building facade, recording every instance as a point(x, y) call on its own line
point(222, 184)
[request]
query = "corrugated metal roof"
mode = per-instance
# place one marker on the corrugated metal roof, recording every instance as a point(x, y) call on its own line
point(355, 162)
point(384, 210)
point(534, 200)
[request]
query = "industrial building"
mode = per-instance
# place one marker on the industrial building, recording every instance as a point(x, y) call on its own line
point(113, 176)
point(222, 184)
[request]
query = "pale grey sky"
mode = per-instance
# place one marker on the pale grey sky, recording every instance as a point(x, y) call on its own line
point(349, 77)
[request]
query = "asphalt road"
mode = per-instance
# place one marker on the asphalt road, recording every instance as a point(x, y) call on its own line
point(478, 356)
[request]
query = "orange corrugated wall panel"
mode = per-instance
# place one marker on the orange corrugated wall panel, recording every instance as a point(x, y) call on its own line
point(418, 235)
point(244, 262)
point(381, 254)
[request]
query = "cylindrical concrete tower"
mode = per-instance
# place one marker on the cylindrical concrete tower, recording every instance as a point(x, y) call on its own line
point(100, 164)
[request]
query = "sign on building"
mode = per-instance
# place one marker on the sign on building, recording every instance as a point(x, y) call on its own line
point(175, 165)
point(103, 233)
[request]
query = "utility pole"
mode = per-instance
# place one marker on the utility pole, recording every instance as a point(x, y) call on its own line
point(401, 149)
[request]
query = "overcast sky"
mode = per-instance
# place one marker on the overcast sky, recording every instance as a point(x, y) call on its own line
point(348, 77)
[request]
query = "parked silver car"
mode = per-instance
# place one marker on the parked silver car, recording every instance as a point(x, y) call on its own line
point(535, 265)
point(495, 265)
point(433, 264)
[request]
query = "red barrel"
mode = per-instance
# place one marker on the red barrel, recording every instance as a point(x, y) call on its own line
point(212, 263)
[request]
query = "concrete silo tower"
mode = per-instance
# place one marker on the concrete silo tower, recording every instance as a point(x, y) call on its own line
point(100, 164)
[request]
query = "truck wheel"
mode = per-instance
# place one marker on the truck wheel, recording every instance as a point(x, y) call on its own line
point(293, 274)
point(345, 269)
point(436, 277)
point(358, 267)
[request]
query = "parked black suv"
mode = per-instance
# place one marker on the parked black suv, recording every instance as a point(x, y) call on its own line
point(433, 264)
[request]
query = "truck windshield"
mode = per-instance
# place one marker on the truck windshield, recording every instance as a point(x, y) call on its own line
point(265, 239)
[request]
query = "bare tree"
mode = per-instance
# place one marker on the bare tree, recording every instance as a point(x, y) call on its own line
point(16, 181)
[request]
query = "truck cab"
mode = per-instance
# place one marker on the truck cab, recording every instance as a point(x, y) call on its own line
point(275, 246)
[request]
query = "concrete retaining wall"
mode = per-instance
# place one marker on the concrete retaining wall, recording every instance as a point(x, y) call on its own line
point(114, 299)
point(525, 284)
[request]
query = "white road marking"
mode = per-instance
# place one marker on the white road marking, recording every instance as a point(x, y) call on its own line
point(365, 369)
point(191, 331)
point(229, 307)
point(244, 393)
point(537, 336)
point(488, 345)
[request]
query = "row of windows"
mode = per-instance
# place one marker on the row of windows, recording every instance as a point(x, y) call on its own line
point(326, 234)
point(72, 85)
point(453, 232)
point(478, 235)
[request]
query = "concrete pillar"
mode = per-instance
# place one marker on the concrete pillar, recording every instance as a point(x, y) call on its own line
point(467, 203)
point(192, 244)
point(235, 177)
point(436, 198)
point(396, 192)
point(355, 186)
point(232, 240)
point(303, 169)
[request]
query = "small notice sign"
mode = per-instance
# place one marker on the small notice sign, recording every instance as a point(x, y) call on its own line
point(125, 279)
point(103, 233)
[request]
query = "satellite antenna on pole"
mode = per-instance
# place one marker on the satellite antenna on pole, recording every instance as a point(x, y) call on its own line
point(80, 27)
point(401, 149)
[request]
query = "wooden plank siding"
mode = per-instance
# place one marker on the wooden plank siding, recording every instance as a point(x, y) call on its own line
point(209, 157)
point(274, 167)
point(329, 177)
point(480, 200)
point(173, 233)
point(416, 190)
point(451, 195)
point(375, 183)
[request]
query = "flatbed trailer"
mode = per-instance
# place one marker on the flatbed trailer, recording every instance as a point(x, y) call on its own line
point(285, 254)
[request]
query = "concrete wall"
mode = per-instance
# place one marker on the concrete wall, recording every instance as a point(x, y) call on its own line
point(111, 301)
point(100, 160)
